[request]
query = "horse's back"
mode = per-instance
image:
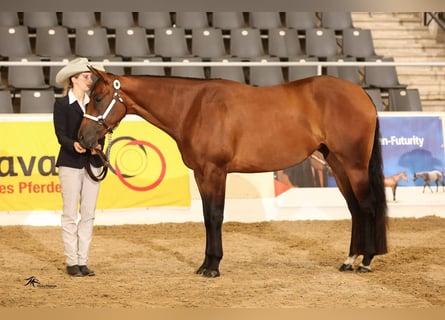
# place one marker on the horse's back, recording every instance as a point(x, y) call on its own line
point(433, 175)
point(320, 94)
point(439, 175)
point(300, 115)
point(345, 112)
point(338, 95)
point(313, 97)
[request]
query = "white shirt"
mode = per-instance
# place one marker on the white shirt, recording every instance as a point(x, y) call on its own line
point(72, 98)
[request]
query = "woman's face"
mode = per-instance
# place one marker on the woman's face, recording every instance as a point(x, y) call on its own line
point(83, 81)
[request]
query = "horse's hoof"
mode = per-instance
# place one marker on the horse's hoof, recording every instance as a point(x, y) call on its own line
point(346, 267)
point(363, 269)
point(211, 273)
point(207, 272)
point(201, 270)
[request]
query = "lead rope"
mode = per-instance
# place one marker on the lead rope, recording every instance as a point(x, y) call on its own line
point(105, 159)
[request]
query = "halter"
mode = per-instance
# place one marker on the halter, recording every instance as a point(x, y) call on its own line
point(101, 119)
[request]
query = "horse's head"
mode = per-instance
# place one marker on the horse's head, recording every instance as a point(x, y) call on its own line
point(415, 177)
point(104, 111)
point(404, 176)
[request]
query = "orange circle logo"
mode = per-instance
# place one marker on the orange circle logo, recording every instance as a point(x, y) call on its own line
point(139, 165)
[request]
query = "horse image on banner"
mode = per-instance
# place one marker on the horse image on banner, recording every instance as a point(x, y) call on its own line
point(434, 176)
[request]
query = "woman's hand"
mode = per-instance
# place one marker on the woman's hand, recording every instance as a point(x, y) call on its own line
point(98, 147)
point(78, 147)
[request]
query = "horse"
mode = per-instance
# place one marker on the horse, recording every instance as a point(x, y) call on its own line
point(222, 126)
point(393, 182)
point(430, 176)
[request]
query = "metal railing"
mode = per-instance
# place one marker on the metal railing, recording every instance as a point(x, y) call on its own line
point(264, 63)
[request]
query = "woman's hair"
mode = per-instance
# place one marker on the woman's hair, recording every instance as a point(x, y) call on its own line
point(69, 84)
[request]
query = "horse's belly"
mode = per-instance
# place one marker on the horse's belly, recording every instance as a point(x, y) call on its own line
point(263, 156)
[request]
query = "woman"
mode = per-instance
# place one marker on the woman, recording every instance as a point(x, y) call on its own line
point(78, 189)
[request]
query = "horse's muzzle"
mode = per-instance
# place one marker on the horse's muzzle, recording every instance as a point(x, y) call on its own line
point(88, 134)
point(88, 142)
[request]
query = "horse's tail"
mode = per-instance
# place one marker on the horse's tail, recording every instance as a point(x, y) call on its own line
point(377, 188)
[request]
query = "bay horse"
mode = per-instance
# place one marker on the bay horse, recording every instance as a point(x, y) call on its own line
point(430, 176)
point(393, 182)
point(223, 126)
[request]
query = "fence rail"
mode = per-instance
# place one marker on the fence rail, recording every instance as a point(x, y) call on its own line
point(232, 63)
point(265, 63)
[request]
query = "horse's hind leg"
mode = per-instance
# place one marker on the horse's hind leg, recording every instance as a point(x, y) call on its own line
point(353, 206)
point(355, 187)
point(354, 209)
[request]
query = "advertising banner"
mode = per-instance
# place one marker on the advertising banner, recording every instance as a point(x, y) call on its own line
point(410, 144)
point(146, 168)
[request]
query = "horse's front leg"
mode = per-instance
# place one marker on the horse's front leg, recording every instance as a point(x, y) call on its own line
point(429, 186)
point(212, 185)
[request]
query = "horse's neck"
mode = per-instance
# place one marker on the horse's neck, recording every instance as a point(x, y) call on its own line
point(399, 176)
point(155, 101)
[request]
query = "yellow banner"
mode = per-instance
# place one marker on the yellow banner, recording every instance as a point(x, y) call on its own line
point(146, 168)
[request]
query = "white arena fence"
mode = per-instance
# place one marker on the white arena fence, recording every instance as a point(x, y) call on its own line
point(264, 62)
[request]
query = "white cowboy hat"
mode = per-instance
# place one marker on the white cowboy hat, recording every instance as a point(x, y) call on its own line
point(75, 66)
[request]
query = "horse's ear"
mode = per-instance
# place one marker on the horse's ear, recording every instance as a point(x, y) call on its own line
point(96, 72)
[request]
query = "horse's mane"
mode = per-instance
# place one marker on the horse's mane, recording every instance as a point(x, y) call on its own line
point(172, 77)
point(142, 76)
point(169, 77)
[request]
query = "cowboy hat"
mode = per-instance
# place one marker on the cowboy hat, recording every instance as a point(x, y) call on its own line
point(75, 66)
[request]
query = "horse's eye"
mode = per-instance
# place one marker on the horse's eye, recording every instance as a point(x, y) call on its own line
point(97, 99)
